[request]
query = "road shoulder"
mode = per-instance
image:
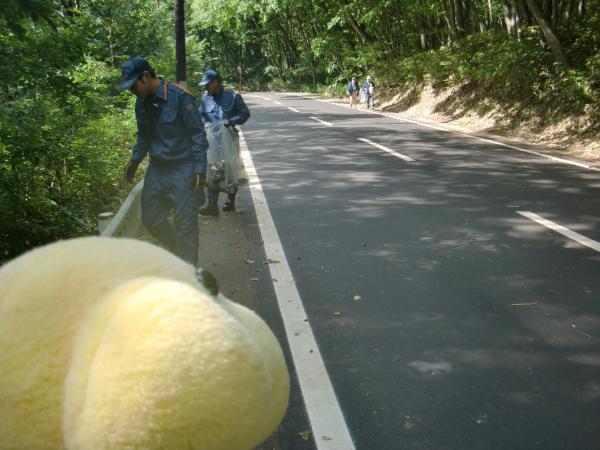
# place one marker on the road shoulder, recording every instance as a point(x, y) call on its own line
point(231, 247)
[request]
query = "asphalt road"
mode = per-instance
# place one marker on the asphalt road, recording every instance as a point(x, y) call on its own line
point(446, 318)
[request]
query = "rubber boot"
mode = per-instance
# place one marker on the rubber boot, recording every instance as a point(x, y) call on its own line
point(229, 205)
point(210, 208)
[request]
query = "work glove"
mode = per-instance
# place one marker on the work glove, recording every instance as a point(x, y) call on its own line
point(130, 170)
point(199, 181)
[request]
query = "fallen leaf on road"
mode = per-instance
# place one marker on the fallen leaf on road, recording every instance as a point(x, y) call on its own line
point(326, 438)
point(589, 337)
point(271, 261)
point(253, 279)
point(249, 261)
point(357, 298)
point(304, 435)
point(336, 314)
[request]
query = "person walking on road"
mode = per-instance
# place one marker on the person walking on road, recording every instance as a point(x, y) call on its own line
point(369, 90)
point(353, 90)
point(220, 105)
point(171, 132)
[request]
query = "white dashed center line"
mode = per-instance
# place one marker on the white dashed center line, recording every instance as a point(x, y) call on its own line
point(469, 135)
point(322, 121)
point(385, 149)
point(293, 109)
point(562, 230)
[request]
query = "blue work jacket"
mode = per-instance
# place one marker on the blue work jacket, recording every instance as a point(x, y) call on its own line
point(177, 135)
point(225, 104)
point(366, 86)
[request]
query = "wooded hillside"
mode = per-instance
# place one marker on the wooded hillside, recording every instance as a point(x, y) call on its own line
point(323, 41)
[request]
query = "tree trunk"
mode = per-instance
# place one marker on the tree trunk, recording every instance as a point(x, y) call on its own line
point(423, 40)
point(508, 18)
point(547, 10)
point(549, 34)
point(356, 27)
point(180, 72)
point(525, 13)
point(450, 17)
point(110, 36)
point(307, 49)
point(458, 16)
point(516, 18)
point(554, 14)
point(568, 12)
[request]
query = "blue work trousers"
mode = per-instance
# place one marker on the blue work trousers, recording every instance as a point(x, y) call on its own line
point(170, 186)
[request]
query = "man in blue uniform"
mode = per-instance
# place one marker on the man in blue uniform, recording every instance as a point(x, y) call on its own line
point(220, 104)
point(369, 89)
point(171, 132)
point(353, 90)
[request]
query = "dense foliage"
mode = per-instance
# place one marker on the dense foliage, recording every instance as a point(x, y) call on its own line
point(520, 49)
point(65, 131)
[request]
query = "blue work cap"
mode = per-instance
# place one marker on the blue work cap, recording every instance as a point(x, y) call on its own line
point(131, 71)
point(209, 75)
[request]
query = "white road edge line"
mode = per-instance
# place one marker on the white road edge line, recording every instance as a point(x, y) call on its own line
point(293, 109)
point(324, 412)
point(562, 230)
point(385, 149)
point(488, 141)
point(322, 121)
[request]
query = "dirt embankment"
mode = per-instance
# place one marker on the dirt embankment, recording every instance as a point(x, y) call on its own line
point(572, 136)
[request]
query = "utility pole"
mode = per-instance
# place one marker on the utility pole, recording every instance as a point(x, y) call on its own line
point(180, 68)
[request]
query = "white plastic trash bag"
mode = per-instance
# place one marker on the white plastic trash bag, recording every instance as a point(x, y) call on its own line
point(363, 96)
point(225, 169)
